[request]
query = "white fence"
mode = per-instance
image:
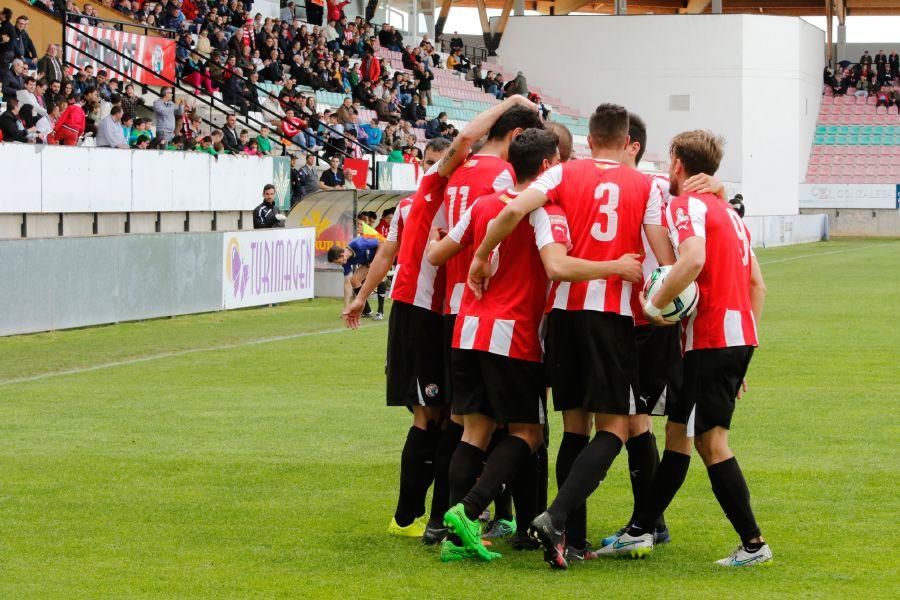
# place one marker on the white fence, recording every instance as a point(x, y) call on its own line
point(56, 179)
point(850, 195)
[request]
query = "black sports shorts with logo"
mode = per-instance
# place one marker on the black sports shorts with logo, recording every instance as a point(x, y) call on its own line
point(712, 378)
point(592, 360)
point(508, 389)
point(415, 357)
point(660, 374)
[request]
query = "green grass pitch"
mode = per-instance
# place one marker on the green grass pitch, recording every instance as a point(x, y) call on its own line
point(204, 465)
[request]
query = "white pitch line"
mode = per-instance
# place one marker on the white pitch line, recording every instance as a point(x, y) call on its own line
point(175, 354)
point(802, 256)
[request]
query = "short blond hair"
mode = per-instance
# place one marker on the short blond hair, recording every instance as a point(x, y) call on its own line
point(700, 151)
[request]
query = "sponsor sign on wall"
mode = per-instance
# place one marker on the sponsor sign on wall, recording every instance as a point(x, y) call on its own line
point(838, 195)
point(267, 266)
point(145, 57)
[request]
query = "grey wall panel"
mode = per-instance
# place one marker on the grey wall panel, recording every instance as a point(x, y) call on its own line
point(83, 281)
point(24, 296)
point(146, 270)
point(198, 272)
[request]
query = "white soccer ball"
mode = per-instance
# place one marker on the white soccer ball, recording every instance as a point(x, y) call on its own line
point(684, 303)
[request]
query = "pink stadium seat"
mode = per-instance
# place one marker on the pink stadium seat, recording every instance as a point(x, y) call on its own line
point(881, 110)
point(871, 100)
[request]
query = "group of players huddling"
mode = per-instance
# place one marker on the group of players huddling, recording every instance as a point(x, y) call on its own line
point(518, 268)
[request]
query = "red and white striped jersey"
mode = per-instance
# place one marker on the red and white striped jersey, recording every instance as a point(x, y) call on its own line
point(507, 319)
point(659, 186)
point(480, 175)
point(606, 205)
point(417, 281)
point(724, 316)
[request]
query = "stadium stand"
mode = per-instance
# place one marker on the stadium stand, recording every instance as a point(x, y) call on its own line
point(857, 137)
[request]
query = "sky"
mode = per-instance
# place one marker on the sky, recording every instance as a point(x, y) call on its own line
point(859, 29)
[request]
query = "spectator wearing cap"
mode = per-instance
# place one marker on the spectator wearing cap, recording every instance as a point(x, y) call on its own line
point(109, 132)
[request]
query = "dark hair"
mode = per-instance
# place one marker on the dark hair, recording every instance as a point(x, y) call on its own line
point(437, 145)
point(441, 114)
point(637, 131)
point(334, 253)
point(529, 150)
point(30, 79)
point(115, 98)
point(268, 187)
point(115, 110)
point(700, 151)
point(517, 117)
point(388, 211)
point(565, 139)
point(608, 126)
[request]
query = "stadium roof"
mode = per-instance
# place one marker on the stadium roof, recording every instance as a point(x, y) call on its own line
point(796, 8)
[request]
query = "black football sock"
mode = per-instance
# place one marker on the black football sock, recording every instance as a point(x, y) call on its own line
point(588, 470)
point(381, 290)
point(643, 458)
point(468, 460)
point(731, 491)
point(440, 495)
point(669, 477)
point(503, 465)
point(569, 448)
point(525, 492)
point(543, 468)
point(503, 500)
point(413, 470)
point(661, 521)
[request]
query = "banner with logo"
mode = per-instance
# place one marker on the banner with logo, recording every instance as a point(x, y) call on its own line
point(140, 57)
point(849, 195)
point(357, 171)
point(281, 179)
point(268, 266)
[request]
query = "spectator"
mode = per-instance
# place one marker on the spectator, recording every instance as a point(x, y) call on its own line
point(456, 42)
point(865, 60)
point(176, 143)
point(881, 62)
point(294, 129)
point(396, 155)
point(230, 137)
point(141, 129)
point(234, 92)
point(50, 66)
point(84, 79)
point(191, 127)
point(345, 112)
point(10, 125)
point(71, 123)
point(423, 82)
point(336, 142)
point(29, 96)
point(54, 94)
point(166, 111)
point(13, 79)
point(131, 101)
point(267, 215)
point(374, 135)
point(102, 85)
point(517, 86)
point(307, 180)
point(196, 73)
point(434, 128)
point(264, 142)
point(315, 10)
point(23, 47)
point(371, 66)
point(894, 65)
point(333, 178)
point(882, 99)
point(44, 126)
point(110, 133)
point(205, 145)
point(7, 37)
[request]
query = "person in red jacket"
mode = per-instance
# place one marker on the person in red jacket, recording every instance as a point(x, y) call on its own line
point(336, 10)
point(370, 67)
point(70, 126)
point(293, 128)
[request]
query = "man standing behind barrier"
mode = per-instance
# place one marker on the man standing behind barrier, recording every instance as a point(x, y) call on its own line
point(267, 215)
point(166, 111)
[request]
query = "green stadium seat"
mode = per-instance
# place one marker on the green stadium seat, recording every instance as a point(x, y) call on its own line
point(853, 129)
point(877, 130)
point(843, 130)
point(828, 140)
point(876, 140)
point(840, 140)
point(850, 140)
point(820, 130)
point(864, 140)
point(865, 130)
point(820, 140)
point(831, 130)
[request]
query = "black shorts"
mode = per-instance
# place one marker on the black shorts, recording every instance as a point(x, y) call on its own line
point(415, 357)
point(659, 368)
point(592, 361)
point(508, 389)
point(712, 379)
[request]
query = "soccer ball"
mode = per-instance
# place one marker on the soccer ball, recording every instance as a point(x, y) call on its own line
point(684, 303)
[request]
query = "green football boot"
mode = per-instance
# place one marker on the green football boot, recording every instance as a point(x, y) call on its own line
point(469, 532)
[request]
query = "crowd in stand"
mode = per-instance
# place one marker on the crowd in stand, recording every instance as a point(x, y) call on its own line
point(871, 76)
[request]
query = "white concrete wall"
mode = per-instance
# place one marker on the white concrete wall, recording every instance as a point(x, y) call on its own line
point(752, 79)
point(61, 179)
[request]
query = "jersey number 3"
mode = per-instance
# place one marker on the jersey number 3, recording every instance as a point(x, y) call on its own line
point(607, 197)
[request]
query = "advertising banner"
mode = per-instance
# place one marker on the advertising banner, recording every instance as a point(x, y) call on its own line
point(145, 57)
point(267, 266)
point(849, 195)
point(281, 179)
point(357, 171)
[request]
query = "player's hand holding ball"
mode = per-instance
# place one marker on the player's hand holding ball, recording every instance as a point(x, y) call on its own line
point(682, 306)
